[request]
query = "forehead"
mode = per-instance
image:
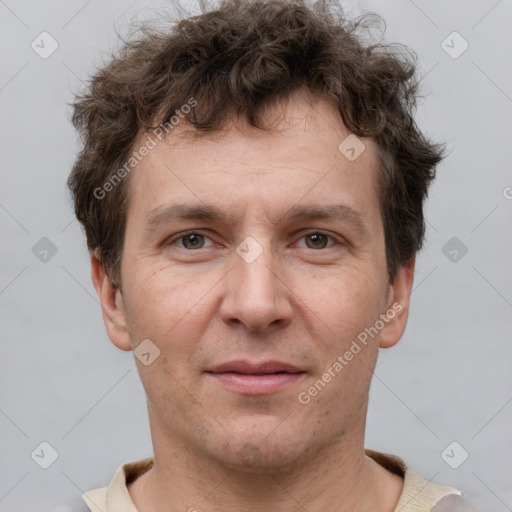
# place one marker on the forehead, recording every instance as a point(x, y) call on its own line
point(307, 154)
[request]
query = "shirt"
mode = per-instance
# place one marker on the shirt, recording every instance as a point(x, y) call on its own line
point(418, 495)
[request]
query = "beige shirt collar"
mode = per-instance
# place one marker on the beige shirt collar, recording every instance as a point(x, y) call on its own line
point(418, 494)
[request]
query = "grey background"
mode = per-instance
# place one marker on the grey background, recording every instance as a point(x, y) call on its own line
point(449, 379)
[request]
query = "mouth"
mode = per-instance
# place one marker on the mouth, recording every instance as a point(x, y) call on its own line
point(256, 378)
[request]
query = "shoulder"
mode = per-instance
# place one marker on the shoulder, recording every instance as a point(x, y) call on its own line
point(453, 503)
point(76, 505)
point(116, 495)
point(418, 493)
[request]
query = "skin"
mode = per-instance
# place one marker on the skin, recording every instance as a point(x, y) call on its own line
point(302, 301)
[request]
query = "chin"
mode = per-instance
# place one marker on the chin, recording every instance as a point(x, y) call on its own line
point(261, 450)
point(250, 457)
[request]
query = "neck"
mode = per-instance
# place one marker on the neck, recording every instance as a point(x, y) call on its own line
point(340, 478)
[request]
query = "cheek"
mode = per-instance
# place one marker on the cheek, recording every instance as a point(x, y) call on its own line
point(167, 306)
point(342, 307)
point(343, 303)
point(172, 315)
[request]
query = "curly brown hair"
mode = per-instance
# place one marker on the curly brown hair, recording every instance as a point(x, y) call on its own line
point(239, 59)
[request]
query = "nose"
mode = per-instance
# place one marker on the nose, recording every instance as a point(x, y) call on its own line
point(256, 295)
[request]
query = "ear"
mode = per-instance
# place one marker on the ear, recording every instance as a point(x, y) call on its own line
point(112, 305)
point(397, 309)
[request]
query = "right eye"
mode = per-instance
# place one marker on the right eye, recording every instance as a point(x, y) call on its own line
point(191, 240)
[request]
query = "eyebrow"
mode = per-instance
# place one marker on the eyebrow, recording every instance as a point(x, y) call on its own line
point(163, 215)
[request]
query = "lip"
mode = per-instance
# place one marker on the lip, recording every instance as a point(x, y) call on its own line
point(255, 378)
point(246, 367)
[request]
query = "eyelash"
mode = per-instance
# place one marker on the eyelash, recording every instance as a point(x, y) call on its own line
point(312, 232)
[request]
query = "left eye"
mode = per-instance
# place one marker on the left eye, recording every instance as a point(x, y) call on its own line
point(317, 240)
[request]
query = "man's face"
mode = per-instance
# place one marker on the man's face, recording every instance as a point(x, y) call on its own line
point(256, 286)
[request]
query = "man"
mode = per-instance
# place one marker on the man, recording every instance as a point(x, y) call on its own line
point(251, 188)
